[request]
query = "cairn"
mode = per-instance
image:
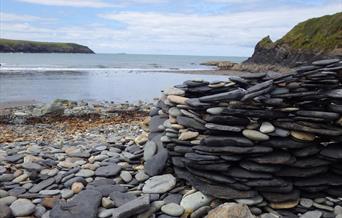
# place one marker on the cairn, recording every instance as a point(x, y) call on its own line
point(260, 137)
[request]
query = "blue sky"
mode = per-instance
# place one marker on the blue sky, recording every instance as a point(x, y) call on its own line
point(193, 27)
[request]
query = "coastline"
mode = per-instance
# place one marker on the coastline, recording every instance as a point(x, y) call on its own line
point(209, 72)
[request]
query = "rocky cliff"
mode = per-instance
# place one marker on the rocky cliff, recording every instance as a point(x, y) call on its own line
point(8, 45)
point(313, 39)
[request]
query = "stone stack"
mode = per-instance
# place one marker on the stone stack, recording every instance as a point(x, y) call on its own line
point(254, 137)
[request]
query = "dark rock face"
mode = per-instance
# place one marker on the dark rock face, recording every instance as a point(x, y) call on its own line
point(279, 54)
point(303, 44)
point(247, 147)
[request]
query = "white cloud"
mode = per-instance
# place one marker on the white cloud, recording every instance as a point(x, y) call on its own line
point(233, 1)
point(174, 33)
point(71, 3)
point(217, 34)
point(91, 3)
point(17, 17)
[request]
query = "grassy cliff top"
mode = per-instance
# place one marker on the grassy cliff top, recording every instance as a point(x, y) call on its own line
point(9, 45)
point(322, 34)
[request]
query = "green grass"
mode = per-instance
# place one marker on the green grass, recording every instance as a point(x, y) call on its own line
point(265, 42)
point(49, 46)
point(316, 34)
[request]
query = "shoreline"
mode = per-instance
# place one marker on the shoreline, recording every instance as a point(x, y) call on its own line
point(212, 72)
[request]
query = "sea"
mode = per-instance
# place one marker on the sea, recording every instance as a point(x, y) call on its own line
point(117, 78)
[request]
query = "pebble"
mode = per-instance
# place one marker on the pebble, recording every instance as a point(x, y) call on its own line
point(200, 212)
point(141, 176)
point(108, 171)
point(159, 184)
point(302, 136)
point(172, 209)
point(107, 203)
point(77, 187)
point(126, 176)
point(255, 135)
point(267, 127)
point(174, 91)
point(22, 207)
point(67, 193)
point(8, 200)
point(5, 211)
point(155, 206)
point(194, 201)
point(323, 207)
point(338, 210)
point(312, 214)
point(188, 135)
point(85, 173)
point(150, 148)
point(306, 202)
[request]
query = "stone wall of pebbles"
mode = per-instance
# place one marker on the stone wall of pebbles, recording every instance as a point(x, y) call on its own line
point(258, 137)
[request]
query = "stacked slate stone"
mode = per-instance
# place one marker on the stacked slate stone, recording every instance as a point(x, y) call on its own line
point(261, 136)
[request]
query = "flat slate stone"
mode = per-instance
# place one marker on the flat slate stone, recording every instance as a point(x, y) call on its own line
point(266, 168)
point(228, 120)
point(213, 177)
point(156, 164)
point(257, 93)
point(108, 171)
point(231, 95)
point(159, 184)
point(286, 143)
point(107, 189)
point(309, 162)
point(190, 123)
point(120, 198)
point(14, 158)
point(195, 102)
point(307, 151)
point(195, 83)
point(301, 172)
point(285, 188)
point(225, 128)
point(280, 197)
point(268, 114)
point(318, 131)
point(224, 191)
point(276, 157)
point(336, 93)
point(319, 114)
point(234, 149)
point(237, 172)
point(226, 141)
point(333, 151)
point(259, 86)
point(132, 208)
point(43, 184)
point(83, 205)
point(275, 182)
point(200, 157)
point(155, 122)
point(207, 167)
point(325, 62)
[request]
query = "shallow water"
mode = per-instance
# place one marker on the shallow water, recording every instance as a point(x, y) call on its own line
point(44, 77)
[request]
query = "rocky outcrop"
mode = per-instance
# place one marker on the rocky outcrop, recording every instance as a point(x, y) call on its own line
point(314, 39)
point(7, 45)
point(257, 138)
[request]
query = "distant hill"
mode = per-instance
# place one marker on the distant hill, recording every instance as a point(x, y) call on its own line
point(8, 45)
point(310, 40)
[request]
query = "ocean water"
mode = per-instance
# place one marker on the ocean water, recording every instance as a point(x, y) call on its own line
point(111, 77)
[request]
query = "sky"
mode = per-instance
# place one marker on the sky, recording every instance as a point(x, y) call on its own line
point(177, 27)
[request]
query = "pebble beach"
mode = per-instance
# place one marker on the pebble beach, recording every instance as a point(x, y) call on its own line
point(85, 159)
